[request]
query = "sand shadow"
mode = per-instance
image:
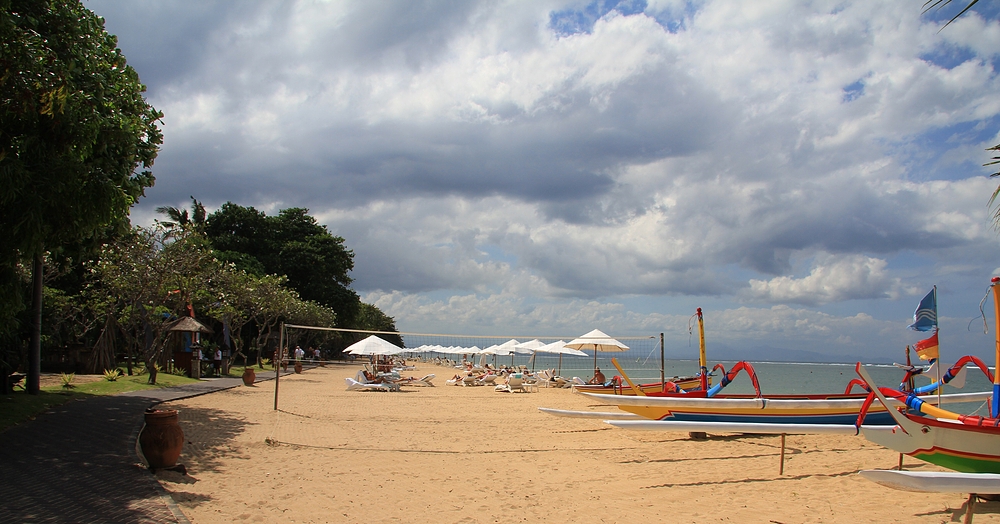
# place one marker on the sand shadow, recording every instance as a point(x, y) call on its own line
point(209, 434)
point(749, 480)
point(980, 507)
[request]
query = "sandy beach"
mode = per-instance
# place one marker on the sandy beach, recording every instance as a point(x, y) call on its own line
point(473, 455)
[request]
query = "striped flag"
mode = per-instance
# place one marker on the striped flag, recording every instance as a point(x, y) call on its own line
point(925, 317)
point(927, 349)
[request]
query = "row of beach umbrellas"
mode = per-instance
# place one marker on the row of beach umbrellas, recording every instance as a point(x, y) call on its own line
point(596, 340)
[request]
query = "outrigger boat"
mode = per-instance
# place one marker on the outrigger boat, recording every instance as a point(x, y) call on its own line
point(964, 443)
point(706, 405)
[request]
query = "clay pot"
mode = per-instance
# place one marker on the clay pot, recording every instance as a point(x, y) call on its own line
point(298, 367)
point(249, 376)
point(162, 438)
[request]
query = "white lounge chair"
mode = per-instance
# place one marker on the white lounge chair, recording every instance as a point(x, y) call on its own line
point(422, 381)
point(354, 385)
point(487, 380)
point(515, 382)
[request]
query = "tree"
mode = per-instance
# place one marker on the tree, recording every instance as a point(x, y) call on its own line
point(147, 282)
point(74, 127)
point(316, 263)
point(179, 218)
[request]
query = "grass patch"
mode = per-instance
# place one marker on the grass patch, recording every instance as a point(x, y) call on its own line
point(19, 406)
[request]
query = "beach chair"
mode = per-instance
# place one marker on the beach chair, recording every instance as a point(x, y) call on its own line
point(354, 385)
point(516, 383)
point(426, 380)
point(487, 380)
point(470, 380)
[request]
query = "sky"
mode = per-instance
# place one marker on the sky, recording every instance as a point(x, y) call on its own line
point(804, 171)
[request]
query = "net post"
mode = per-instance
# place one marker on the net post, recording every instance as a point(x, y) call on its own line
point(663, 376)
point(277, 369)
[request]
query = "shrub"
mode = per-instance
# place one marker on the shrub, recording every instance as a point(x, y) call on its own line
point(111, 375)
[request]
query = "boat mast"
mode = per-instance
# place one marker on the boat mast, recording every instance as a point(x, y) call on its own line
point(703, 361)
point(995, 402)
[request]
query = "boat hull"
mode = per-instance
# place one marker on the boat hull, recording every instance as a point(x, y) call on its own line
point(934, 481)
point(956, 446)
point(775, 409)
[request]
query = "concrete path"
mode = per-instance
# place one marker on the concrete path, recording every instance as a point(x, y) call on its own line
point(78, 462)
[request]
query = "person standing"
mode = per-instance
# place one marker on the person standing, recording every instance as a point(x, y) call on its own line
point(299, 353)
point(217, 362)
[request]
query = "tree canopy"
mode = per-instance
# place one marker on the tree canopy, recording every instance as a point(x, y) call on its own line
point(74, 128)
point(293, 244)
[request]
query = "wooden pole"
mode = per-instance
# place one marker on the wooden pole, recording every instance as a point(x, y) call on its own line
point(900, 466)
point(277, 368)
point(970, 505)
point(663, 376)
point(781, 467)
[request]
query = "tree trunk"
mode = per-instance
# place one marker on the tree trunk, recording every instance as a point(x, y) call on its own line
point(35, 345)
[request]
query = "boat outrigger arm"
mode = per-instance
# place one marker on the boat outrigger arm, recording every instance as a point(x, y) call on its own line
point(954, 371)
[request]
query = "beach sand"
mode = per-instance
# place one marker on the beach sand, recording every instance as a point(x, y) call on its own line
point(472, 455)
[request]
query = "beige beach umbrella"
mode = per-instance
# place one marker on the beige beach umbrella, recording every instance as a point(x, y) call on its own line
point(597, 340)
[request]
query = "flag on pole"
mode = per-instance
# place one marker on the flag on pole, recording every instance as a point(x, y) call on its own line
point(927, 349)
point(925, 317)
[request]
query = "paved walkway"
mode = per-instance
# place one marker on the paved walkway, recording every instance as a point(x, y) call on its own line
point(78, 462)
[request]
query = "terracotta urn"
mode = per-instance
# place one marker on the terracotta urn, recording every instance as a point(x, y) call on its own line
point(249, 376)
point(162, 438)
point(298, 367)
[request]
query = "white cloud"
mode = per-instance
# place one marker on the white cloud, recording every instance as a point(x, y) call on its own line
point(468, 149)
point(831, 279)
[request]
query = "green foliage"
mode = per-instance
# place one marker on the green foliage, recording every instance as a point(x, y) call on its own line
point(74, 131)
point(111, 375)
point(316, 263)
point(67, 380)
point(75, 126)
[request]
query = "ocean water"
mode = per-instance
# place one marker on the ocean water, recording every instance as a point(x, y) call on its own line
point(773, 377)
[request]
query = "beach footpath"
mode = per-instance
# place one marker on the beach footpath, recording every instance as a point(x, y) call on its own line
point(78, 461)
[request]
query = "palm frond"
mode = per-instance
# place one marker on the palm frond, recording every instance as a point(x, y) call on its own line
point(939, 4)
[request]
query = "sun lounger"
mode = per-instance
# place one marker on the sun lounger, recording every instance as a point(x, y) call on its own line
point(354, 385)
point(487, 380)
point(515, 382)
point(422, 381)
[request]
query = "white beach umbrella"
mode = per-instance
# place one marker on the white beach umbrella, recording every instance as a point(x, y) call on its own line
point(501, 349)
point(561, 349)
point(529, 347)
point(597, 340)
point(373, 345)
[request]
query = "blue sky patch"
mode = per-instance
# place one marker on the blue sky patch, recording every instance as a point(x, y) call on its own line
point(853, 91)
point(574, 21)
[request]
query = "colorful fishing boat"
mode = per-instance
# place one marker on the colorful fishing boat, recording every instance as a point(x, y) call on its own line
point(770, 409)
point(704, 403)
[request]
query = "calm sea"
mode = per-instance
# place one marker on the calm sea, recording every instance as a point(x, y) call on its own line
point(773, 377)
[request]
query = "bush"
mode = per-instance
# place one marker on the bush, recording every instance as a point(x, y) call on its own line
point(111, 375)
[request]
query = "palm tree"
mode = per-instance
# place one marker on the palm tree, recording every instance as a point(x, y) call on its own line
point(180, 220)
